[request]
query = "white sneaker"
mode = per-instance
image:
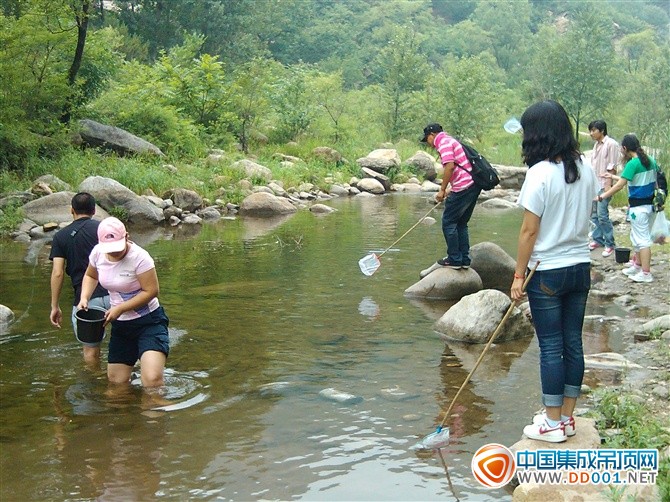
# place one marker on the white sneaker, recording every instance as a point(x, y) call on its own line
point(632, 270)
point(641, 277)
point(569, 423)
point(544, 432)
point(607, 252)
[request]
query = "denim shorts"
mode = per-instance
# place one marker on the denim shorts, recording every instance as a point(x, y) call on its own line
point(100, 301)
point(131, 339)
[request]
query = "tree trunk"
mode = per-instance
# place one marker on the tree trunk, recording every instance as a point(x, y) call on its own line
point(82, 28)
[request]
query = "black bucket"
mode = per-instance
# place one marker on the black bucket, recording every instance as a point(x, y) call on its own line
point(89, 324)
point(622, 255)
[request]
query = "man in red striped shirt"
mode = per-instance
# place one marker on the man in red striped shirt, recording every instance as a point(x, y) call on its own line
point(459, 193)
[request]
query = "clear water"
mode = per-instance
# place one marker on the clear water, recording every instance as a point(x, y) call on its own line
point(265, 314)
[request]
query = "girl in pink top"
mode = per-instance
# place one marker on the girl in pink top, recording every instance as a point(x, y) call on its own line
point(139, 324)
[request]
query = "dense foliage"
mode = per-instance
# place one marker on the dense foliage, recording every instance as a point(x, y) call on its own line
point(190, 76)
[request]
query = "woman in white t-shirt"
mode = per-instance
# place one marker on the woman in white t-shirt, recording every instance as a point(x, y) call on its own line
point(139, 323)
point(557, 197)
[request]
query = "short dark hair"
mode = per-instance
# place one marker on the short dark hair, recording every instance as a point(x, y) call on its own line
point(83, 203)
point(601, 125)
point(548, 135)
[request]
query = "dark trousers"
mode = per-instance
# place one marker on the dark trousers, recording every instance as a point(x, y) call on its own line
point(458, 208)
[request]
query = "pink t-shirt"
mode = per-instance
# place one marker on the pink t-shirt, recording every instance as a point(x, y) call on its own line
point(120, 278)
point(451, 150)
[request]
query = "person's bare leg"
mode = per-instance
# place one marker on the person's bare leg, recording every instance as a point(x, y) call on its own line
point(554, 412)
point(645, 259)
point(153, 367)
point(92, 357)
point(119, 373)
point(568, 407)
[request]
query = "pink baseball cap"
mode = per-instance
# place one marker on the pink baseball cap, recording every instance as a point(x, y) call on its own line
point(111, 235)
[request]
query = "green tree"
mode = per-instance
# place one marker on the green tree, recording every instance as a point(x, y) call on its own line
point(401, 70)
point(331, 98)
point(249, 98)
point(467, 97)
point(637, 49)
point(293, 102)
point(576, 68)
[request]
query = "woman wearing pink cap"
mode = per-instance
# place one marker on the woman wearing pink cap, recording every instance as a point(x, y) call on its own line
point(139, 324)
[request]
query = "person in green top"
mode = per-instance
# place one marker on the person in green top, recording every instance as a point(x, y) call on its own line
point(639, 174)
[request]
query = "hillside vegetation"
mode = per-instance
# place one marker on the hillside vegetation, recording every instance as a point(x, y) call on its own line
point(256, 77)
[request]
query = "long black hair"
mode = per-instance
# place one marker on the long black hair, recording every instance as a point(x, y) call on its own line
point(548, 135)
point(632, 144)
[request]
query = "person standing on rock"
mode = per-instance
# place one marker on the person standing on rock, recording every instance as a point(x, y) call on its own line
point(70, 249)
point(139, 323)
point(557, 197)
point(459, 193)
point(604, 160)
point(640, 175)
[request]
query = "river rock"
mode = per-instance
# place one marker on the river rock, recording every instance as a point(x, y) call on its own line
point(429, 186)
point(55, 208)
point(321, 209)
point(494, 266)
point(339, 396)
point(252, 169)
point(339, 190)
point(209, 213)
point(371, 185)
point(499, 204)
point(265, 204)
point(511, 176)
point(446, 284)
point(384, 180)
point(10, 199)
point(54, 183)
point(661, 323)
point(6, 318)
point(380, 160)
point(475, 317)
point(424, 164)
point(609, 361)
point(96, 134)
point(110, 194)
point(186, 199)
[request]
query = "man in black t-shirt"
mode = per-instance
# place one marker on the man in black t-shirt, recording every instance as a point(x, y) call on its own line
point(69, 252)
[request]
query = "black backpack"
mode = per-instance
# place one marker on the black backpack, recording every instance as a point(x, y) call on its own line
point(483, 173)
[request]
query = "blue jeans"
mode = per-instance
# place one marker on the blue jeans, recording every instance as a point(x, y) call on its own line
point(557, 302)
point(603, 233)
point(458, 208)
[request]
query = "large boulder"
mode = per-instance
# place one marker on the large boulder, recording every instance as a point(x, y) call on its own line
point(188, 200)
point(371, 185)
point(511, 176)
point(423, 163)
point(252, 170)
point(55, 208)
point(384, 180)
point(100, 135)
point(380, 160)
point(111, 194)
point(475, 317)
point(494, 266)
point(265, 204)
point(446, 284)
